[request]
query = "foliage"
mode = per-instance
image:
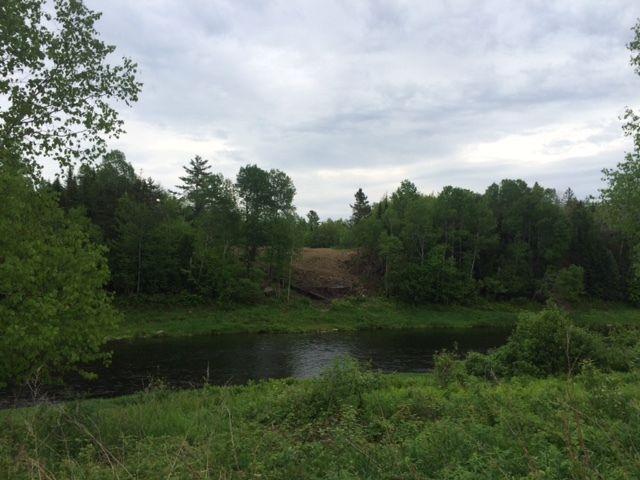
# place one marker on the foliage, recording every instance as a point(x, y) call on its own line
point(402, 426)
point(54, 312)
point(361, 208)
point(621, 195)
point(564, 286)
point(328, 234)
point(344, 382)
point(548, 343)
point(56, 84)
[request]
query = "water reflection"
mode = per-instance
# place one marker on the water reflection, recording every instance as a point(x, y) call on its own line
point(236, 358)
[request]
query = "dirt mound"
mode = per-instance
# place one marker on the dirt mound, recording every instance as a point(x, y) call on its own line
point(325, 273)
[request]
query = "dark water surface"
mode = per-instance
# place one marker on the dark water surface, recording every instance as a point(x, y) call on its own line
point(186, 362)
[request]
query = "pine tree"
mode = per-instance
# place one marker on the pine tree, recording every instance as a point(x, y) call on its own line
point(361, 208)
point(197, 184)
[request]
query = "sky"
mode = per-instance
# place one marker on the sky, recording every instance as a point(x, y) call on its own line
point(349, 94)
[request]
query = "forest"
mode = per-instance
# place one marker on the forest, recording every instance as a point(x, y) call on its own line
point(495, 334)
point(222, 239)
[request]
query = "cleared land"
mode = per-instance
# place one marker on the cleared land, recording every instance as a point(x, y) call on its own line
point(326, 273)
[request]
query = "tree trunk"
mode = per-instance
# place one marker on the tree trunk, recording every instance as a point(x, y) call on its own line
point(475, 254)
point(139, 266)
point(289, 284)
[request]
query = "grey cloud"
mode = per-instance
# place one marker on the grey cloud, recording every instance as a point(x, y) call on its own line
point(328, 85)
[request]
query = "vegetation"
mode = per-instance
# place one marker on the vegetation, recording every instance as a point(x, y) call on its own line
point(348, 424)
point(555, 402)
point(225, 241)
point(54, 311)
point(303, 316)
point(57, 85)
point(561, 399)
point(56, 94)
point(162, 316)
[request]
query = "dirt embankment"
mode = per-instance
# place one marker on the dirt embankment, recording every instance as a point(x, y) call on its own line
point(326, 273)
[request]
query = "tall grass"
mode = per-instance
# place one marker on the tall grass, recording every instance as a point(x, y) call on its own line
point(350, 423)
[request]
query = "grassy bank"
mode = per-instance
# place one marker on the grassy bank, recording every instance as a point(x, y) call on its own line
point(303, 316)
point(350, 314)
point(349, 424)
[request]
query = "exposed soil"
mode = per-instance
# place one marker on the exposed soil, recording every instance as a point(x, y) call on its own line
point(326, 273)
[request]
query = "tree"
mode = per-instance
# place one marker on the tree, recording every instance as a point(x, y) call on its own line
point(265, 196)
point(199, 186)
point(54, 312)
point(622, 193)
point(152, 246)
point(99, 188)
point(56, 85)
point(313, 220)
point(361, 208)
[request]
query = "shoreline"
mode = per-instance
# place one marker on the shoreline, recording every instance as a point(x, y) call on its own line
point(345, 315)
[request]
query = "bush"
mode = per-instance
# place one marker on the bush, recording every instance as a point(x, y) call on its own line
point(244, 291)
point(480, 365)
point(434, 282)
point(448, 369)
point(547, 343)
point(343, 383)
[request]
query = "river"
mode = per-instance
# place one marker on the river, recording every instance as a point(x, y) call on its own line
point(230, 359)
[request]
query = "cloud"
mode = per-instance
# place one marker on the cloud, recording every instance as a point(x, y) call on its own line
point(342, 95)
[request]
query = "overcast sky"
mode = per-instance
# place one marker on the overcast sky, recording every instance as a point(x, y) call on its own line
point(350, 94)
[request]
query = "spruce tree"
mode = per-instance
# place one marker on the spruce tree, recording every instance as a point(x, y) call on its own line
point(361, 208)
point(197, 184)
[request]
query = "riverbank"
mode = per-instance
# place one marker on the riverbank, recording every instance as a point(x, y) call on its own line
point(348, 424)
point(302, 316)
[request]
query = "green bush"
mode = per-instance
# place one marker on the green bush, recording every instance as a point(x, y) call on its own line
point(434, 282)
point(480, 365)
point(448, 368)
point(343, 383)
point(547, 343)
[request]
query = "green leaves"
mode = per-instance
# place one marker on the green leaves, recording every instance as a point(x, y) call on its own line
point(54, 312)
point(57, 84)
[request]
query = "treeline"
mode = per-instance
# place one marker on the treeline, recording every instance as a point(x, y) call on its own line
point(513, 241)
point(225, 240)
point(213, 237)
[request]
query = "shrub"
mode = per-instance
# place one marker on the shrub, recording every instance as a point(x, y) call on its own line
point(434, 282)
point(546, 343)
point(480, 365)
point(448, 369)
point(343, 383)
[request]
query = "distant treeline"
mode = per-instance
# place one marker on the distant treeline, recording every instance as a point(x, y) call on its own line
point(224, 239)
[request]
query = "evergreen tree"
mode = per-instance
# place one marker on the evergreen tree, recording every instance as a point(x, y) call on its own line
point(199, 186)
point(361, 208)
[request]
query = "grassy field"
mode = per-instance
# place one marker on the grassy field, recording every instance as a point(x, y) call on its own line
point(348, 424)
point(347, 314)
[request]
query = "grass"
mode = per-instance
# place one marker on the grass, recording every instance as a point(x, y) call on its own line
point(302, 316)
point(348, 315)
point(348, 424)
